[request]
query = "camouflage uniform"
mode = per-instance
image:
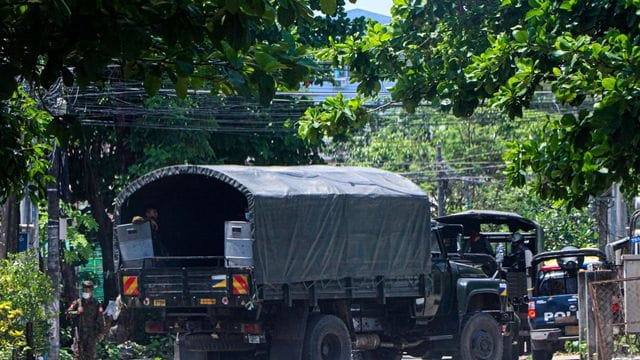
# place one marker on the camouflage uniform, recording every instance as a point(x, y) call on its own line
point(90, 324)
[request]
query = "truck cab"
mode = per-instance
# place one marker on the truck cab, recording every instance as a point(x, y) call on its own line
point(519, 238)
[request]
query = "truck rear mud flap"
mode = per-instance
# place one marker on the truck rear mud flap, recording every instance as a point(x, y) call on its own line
point(214, 342)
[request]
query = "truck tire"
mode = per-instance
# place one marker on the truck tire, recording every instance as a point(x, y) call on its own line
point(541, 355)
point(481, 338)
point(326, 338)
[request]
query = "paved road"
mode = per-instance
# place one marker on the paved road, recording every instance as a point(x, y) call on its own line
point(526, 357)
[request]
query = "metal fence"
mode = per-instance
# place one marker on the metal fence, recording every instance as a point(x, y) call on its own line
point(616, 307)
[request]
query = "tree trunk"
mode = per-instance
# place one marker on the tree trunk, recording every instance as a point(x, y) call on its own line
point(9, 227)
point(105, 225)
point(69, 284)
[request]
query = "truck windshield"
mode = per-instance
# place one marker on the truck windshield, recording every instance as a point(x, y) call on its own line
point(192, 210)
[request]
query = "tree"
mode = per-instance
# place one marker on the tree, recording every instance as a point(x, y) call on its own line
point(473, 168)
point(24, 144)
point(459, 55)
point(228, 47)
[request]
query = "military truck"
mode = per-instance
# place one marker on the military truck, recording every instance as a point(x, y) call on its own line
point(509, 232)
point(309, 262)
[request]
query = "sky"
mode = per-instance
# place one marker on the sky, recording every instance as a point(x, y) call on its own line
point(378, 6)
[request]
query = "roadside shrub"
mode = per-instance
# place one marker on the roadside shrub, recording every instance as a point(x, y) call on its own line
point(24, 293)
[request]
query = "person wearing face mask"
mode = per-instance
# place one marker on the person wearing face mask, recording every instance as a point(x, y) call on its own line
point(86, 313)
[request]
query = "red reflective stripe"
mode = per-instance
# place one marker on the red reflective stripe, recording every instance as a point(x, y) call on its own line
point(130, 285)
point(240, 285)
point(550, 267)
point(130, 280)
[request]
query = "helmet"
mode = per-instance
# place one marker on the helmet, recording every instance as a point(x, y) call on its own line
point(88, 284)
point(517, 238)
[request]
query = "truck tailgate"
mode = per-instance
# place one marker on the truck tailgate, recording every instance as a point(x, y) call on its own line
point(167, 286)
point(558, 311)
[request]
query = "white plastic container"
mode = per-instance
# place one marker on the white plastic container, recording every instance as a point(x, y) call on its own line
point(238, 245)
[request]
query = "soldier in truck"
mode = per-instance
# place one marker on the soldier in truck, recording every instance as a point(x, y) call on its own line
point(517, 258)
point(479, 244)
point(151, 216)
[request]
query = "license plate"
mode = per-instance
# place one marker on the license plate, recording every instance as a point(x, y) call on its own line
point(253, 339)
point(207, 301)
point(571, 330)
point(159, 302)
point(565, 320)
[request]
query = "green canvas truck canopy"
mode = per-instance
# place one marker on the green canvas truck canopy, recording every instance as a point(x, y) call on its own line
point(309, 222)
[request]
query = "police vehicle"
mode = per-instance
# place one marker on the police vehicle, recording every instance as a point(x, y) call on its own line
point(553, 308)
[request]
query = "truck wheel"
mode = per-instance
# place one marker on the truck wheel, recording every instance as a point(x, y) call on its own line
point(481, 338)
point(541, 355)
point(326, 338)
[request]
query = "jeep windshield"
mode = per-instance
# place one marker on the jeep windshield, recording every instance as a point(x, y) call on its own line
point(557, 283)
point(557, 271)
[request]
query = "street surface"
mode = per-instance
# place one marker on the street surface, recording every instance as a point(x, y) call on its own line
point(526, 357)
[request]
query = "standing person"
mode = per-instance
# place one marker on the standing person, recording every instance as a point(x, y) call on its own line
point(520, 256)
point(479, 244)
point(88, 323)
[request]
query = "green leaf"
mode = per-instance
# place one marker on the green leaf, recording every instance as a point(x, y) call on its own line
point(600, 150)
point(236, 79)
point(534, 4)
point(568, 5)
point(576, 183)
point(152, 84)
point(521, 36)
point(563, 44)
point(568, 120)
point(328, 7)
point(184, 68)
point(267, 62)
point(609, 83)
point(286, 17)
point(231, 55)
point(533, 13)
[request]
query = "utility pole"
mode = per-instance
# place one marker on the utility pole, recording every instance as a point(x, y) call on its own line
point(53, 254)
point(441, 181)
